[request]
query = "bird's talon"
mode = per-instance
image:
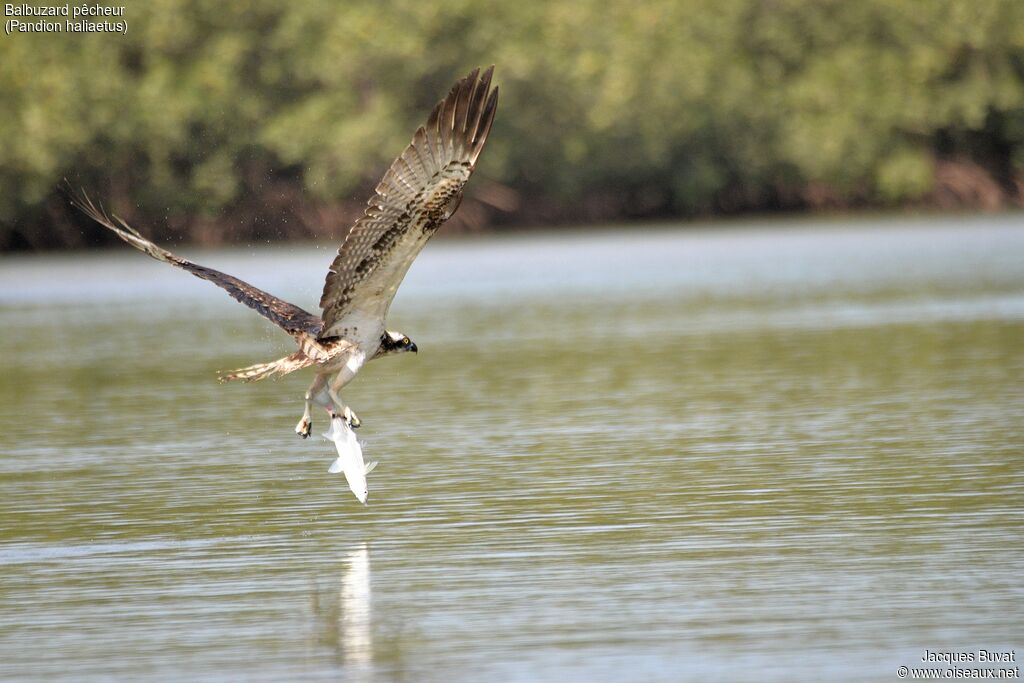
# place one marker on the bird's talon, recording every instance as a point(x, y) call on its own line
point(304, 428)
point(351, 419)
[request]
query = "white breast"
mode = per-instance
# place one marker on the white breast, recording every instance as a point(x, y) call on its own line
point(355, 361)
point(364, 333)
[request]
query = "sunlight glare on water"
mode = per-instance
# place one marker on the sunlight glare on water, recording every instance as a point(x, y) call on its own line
point(764, 452)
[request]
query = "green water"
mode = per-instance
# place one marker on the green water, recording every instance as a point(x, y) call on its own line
point(766, 452)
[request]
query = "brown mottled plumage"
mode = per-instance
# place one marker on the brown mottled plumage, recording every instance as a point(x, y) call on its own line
point(419, 192)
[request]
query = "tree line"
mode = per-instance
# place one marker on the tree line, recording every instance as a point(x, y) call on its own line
point(262, 120)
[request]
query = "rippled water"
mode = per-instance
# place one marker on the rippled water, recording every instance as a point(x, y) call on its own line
point(757, 453)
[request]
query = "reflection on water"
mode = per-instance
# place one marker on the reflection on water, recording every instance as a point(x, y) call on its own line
point(750, 454)
point(356, 634)
point(342, 619)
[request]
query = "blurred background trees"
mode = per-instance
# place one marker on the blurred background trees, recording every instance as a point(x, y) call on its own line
point(260, 119)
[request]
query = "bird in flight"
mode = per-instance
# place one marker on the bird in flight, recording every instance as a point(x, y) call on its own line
point(419, 192)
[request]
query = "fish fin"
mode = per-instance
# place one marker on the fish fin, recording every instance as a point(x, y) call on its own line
point(336, 467)
point(370, 465)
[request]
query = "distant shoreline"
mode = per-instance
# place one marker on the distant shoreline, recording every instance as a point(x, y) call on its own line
point(489, 208)
point(456, 230)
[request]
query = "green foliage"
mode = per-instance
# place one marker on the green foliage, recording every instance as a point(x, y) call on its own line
point(656, 106)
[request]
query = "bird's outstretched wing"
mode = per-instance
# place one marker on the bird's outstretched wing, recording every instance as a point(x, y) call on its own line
point(288, 317)
point(419, 192)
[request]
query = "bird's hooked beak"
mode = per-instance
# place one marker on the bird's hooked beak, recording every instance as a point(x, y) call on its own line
point(412, 347)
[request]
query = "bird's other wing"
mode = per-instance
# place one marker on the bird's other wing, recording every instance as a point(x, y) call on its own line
point(288, 317)
point(419, 192)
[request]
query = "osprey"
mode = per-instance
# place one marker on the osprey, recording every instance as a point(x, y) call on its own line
point(419, 192)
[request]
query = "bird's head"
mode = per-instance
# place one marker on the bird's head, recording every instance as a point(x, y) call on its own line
point(395, 342)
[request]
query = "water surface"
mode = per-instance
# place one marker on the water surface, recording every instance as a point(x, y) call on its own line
point(765, 452)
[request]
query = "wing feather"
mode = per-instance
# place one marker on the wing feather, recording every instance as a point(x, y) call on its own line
point(484, 125)
point(288, 317)
point(461, 111)
point(420, 191)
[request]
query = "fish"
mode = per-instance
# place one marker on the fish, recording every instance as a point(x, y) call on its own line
point(350, 458)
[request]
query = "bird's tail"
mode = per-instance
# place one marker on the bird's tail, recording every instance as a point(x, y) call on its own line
point(281, 366)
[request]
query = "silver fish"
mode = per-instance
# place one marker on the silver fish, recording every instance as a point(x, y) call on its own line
point(350, 458)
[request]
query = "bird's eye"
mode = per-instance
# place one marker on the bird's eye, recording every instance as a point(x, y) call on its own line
point(405, 341)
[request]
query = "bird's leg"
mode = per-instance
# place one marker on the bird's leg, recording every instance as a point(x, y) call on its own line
point(339, 407)
point(305, 426)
